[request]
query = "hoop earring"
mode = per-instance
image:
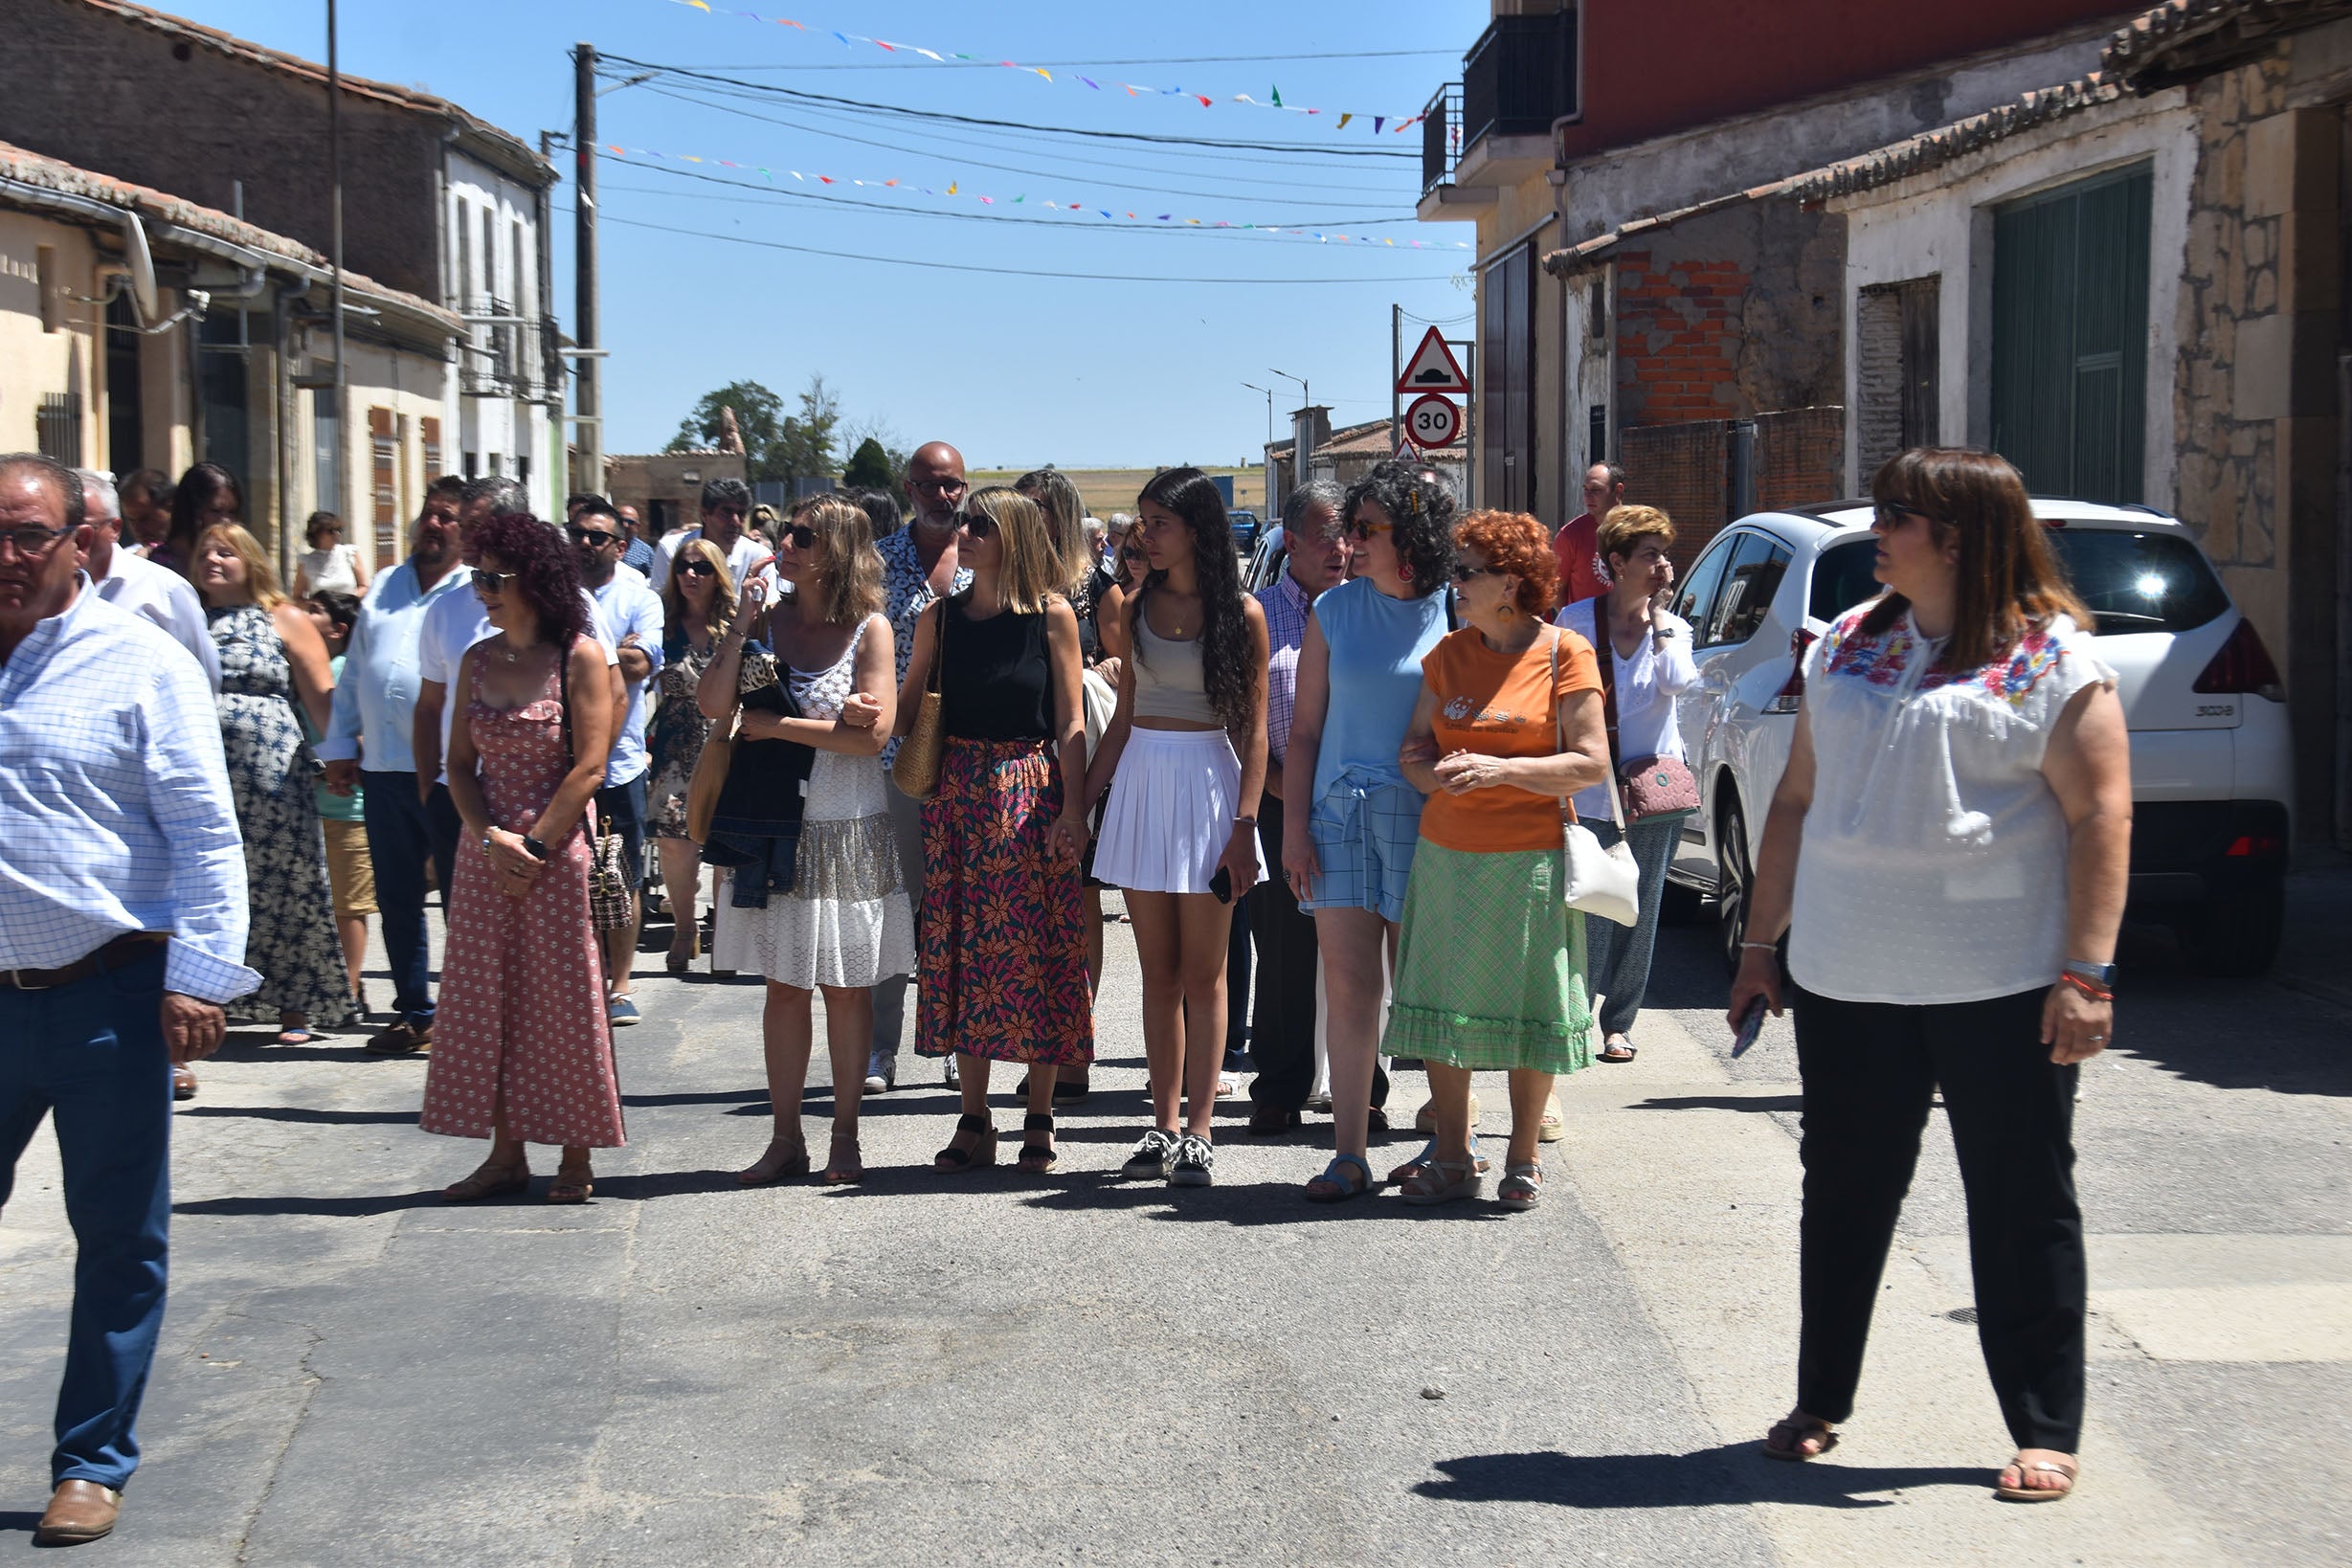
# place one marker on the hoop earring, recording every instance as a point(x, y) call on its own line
point(1404, 571)
point(1507, 611)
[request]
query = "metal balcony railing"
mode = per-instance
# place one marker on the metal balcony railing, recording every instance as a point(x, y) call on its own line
point(501, 352)
point(1519, 78)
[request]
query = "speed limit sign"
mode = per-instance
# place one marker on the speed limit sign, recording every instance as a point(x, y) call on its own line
point(1433, 420)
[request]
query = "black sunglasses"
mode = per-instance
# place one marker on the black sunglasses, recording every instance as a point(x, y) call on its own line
point(800, 536)
point(1464, 573)
point(590, 536)
point(697, 567)
point(493, 582)
point(1890, 514)
point(980, 525)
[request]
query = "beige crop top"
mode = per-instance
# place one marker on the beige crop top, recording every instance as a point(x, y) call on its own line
point(1168, 679)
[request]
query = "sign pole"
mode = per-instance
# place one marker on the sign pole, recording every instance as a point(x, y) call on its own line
point(1396, 371)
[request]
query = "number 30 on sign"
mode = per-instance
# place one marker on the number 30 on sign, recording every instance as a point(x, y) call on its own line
point(1433, 421)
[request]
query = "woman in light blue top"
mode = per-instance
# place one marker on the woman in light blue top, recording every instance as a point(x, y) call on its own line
point(1348, 858)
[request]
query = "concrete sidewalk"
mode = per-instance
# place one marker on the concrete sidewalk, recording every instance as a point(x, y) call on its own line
point(999, 1368)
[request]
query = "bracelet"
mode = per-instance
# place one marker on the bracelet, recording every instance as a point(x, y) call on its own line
point(2095, 993)
point(1245, 821)
point(1762, 947)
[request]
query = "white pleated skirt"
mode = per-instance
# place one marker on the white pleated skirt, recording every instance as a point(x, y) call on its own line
point(1171, 810)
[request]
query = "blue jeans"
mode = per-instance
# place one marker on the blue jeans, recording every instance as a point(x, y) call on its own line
point(93, 1053)
point(400, 841)
point(1617, 957)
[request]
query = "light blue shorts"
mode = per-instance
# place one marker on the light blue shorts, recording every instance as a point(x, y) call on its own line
point(1364, 839)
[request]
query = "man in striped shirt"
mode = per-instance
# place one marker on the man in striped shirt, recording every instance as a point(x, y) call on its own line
point(122, 932)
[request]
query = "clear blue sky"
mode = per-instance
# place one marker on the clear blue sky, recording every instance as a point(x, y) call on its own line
point(1098, 370)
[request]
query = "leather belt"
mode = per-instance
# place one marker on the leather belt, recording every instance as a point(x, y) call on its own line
point(125, 950)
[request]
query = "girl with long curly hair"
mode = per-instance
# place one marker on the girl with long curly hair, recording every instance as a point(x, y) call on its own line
point(521, 1051)
point(1184, 759)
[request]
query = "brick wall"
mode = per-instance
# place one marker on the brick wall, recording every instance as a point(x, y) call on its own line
point(1679, 338)
point(1679, 469)
point(1799, 457)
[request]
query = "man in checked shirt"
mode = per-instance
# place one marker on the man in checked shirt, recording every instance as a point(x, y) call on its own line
point(122, 932)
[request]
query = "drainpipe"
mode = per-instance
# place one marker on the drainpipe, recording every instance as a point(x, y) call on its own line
point(284, 417)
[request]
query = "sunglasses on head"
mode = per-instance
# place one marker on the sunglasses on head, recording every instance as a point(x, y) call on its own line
point(493, 582)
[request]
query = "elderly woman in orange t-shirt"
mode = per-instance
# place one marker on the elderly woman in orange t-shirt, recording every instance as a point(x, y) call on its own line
point(1491, 965)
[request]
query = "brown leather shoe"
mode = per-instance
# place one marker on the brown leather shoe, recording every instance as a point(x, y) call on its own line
point(402, 1039)
point(183, 1081)
point(78, 1511)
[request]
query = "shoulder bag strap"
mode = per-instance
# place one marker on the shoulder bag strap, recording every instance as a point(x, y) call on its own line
point(1604, 658)
point(562, 701)
point(1560, 728)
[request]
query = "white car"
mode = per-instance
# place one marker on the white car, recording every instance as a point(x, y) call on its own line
point(2213, 765)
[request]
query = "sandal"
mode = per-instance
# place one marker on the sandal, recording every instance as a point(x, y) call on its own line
point(573, 1184)
point(1428, 1152)
point(682, 954)
point(1522, 1186)
point(489, 1181)
point(1801, 1428)
point(1618, 1050)
point(2022, 1494)
point(294, 1036)
point(1442, 1181)
point(785, 1157)
point(1038, 1154)
point(844, 1169)
point(1336, 1185)
point(982, 1151)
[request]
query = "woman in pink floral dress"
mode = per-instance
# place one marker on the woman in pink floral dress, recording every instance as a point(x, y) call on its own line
point(522, 1053)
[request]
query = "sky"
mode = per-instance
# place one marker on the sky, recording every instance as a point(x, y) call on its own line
point(1099, 366)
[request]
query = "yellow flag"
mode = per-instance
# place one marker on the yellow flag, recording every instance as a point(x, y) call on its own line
point(951, 187)
point(1343, 120)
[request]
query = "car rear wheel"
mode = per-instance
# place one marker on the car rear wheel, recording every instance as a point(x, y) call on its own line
point(1733, 882)
point(2235, 933)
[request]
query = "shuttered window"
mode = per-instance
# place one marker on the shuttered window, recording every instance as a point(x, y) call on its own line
point(1506, 382)
point(383, 484)
point(2070, 336)
point(428, 436)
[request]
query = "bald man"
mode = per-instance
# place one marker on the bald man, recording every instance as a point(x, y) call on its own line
point(919, 568)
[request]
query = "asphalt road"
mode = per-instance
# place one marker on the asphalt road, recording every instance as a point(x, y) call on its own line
point(1000, 1368)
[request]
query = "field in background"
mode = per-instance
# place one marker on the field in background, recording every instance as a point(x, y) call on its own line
point(1109, 490)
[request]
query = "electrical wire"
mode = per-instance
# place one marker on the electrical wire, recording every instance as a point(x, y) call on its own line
point(772, 89)
point(1000, 272)
point(1073, 65)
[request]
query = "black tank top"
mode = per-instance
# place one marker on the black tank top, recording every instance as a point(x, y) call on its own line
point(996, 681)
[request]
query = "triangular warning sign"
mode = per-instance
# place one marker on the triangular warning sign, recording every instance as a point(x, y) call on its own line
point(1433, 369)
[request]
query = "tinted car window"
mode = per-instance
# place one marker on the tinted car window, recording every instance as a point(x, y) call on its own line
point(2133, 582)
point(1698, 590)
point(1748, 589)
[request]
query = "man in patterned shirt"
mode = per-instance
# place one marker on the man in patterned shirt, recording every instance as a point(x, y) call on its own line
point(918, 567)
point(122, 932)
point(1283, 1040)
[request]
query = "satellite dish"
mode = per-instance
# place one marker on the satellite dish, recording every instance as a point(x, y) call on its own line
point(141, 263)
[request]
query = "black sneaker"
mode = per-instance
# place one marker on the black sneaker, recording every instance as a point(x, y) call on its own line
point(1194, 1163)
point(1151, 1156)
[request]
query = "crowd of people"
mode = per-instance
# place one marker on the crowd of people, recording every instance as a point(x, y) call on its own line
point(915, 752)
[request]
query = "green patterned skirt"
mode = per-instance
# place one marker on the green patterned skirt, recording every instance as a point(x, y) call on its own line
point(1491, 965)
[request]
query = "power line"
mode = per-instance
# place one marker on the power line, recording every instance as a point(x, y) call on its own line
point(1073, 65)
point(1001, 272)
point(773, 90)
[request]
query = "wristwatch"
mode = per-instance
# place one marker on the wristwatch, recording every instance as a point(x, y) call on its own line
point(2102, 975)
point(534, 848)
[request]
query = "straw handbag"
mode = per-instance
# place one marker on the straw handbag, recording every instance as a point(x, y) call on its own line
point(915, 770)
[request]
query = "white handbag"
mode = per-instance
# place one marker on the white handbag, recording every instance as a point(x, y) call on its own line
point(1600, 882)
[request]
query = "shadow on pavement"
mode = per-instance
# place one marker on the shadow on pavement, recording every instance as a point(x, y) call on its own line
point(1721, 1101)
point(301, 1113)
point(1731, 1475)
point(18, 1519)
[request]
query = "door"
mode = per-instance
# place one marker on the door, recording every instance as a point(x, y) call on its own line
point(2070, 336)
point(1505, 375)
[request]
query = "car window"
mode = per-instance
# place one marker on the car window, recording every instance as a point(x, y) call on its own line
point(1749, 584)
point(2132, 582)
point(1698, 590)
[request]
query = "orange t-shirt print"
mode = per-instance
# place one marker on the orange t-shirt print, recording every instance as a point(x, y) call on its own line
point(1500, 706)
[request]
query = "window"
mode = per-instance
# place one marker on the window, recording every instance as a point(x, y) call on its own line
point(221, 407)
point(1506, 382)
point(428, 436)
point(126, 423)
point(462, 287)
point(1749, 586)
point(470, 470)
point(2070, 336)
point(326, 439)
point(1698, 590)
point(1894, 370)
point(383, 484)
point(56, 426)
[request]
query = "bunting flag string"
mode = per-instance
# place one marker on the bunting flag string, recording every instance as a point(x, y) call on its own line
point(1390, 123)
point(1078, 209)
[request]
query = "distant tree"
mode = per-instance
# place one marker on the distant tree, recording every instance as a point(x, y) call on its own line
point(869, 468)
point(775, 445)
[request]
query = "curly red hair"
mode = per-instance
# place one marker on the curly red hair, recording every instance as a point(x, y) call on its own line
point(1514, 544)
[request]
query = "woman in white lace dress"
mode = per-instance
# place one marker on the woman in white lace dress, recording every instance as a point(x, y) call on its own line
point(822, 908)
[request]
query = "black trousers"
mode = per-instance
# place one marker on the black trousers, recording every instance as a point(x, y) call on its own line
point(446, 827)
point(1281, 1039)
point(1870, 1069)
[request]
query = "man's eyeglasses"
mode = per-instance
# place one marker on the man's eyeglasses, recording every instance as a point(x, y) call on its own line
point(493, 582)
point(697, 567)
point(31, 542)
point(978, 524)
point(592, 536)
point(940, 486)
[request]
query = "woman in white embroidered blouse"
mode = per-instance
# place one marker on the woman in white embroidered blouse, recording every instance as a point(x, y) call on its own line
point(1948, 852)
point(1649, 662)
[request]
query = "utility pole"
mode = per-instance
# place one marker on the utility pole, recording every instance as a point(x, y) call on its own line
point(585, 372)
point(334, 176)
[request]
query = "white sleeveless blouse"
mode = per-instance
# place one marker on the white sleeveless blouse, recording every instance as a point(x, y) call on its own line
point(1932, 864)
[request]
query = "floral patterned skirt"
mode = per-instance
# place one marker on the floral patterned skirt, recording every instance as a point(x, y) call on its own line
point(1004, 973)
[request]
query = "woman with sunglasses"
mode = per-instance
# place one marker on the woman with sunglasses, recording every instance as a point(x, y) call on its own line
point(837, 918)
point(1948, 851)
point(522, 1050)
point(698, 604)
point(1348, 856)
point(1003, 976)
point(1491, 961)
point(1184, 761)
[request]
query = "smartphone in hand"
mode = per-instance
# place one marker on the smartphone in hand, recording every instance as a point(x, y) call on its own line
point(1222, 885)
point(1750, 1026)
